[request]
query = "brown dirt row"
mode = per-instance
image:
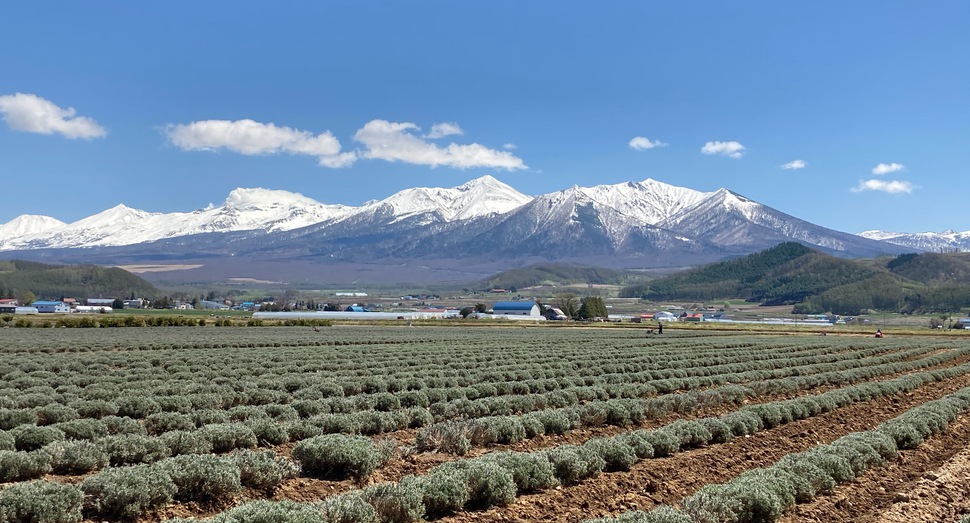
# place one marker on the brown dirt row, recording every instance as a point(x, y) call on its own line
point(929, 483)
point(668, 480)
point(310, 489)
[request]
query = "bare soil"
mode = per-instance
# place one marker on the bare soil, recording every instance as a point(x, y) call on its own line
point(668, 480)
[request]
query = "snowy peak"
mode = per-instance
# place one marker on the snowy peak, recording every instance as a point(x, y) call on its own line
point(481, 197)
point(259, 198)
point(649, 202)
point(946, 241)
point(28, 224)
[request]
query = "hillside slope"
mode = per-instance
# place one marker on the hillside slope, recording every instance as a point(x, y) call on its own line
point(78, 281)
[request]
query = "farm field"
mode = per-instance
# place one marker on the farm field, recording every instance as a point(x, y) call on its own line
point(398, 424)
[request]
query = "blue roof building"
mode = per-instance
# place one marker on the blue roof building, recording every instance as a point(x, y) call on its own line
point(516, 308)
point(51, 306)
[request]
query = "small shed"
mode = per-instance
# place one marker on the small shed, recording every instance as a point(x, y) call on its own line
point(51, 306)
point(355, 308)
point(553, 313)
point(516, 308)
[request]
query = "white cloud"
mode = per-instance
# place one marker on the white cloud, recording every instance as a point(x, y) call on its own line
point(252, 138)
point(729, 149)
point(394, 142)
point(886, 168)
point(510, 146)
point(640, 143)
point(440, 130)
point(795, 165)
point(889, 186)
point(33, 114)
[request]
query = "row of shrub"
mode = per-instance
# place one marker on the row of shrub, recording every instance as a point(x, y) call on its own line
point(127, 493)
point(498, 478)
point(458, 437)
point(763, 495)
point(444, 403)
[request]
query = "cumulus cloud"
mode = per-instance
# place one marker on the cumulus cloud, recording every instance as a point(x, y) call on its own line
point(888, 186)
point(886, 168)
point(729, 149)
point(440, 130)
point(795, 165)
point(254, 138)
point(33, 114)
point(640, 143)
point(396, 142)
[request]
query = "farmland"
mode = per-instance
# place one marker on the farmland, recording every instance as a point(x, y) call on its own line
point(398, 424)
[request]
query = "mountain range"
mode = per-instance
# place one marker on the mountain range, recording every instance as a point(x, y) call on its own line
point(430, 234)
point(946, 241)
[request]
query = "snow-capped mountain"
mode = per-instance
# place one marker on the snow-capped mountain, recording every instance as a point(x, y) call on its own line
point(728, 219)
point(946, 241)
point(27, 224)
point(245, 209)
point(478, 198)
point(635, 224)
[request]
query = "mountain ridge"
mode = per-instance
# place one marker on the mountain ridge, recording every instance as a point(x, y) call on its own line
point(482, 223)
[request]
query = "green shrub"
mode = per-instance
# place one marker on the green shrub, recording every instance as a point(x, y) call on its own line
point(162, 422)
point(54, 413)
point(301, 430)
point(32, 437)
point(87, 429)
point(503, 429)
point(443, 491)
point(269, 432)
point(348, 508)
point(209, 417)
point(449, 436)
point(20, 466)
point(719, 430)
point(554, 421)
point(10, 418)
point(573, 463)
point(181, 442)
point(488, 484)
point(40, 502)
point(137, 407)
point(664, 443)
point(338, 454)
point(127, 492)
point(94, 408)
point(835, 466)
point(638, 442)
point(7, 441)
point(661, 514)
point(689, 433)
point(813, 480)
point(742, 422)
point(129, 449)
point(202, 478)
point(123, 425)
point(263, 469)
point(530, 471)
point(418, 417)
point(616, 454)
point(229, 436)
point(264, 511)
point(395, 502)
point(75, 457)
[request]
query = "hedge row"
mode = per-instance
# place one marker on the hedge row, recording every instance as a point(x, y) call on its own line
point(763, 495)
point(130, 492)
point(497, 478)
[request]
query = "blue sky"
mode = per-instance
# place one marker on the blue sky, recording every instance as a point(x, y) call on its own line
point(168, 106)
